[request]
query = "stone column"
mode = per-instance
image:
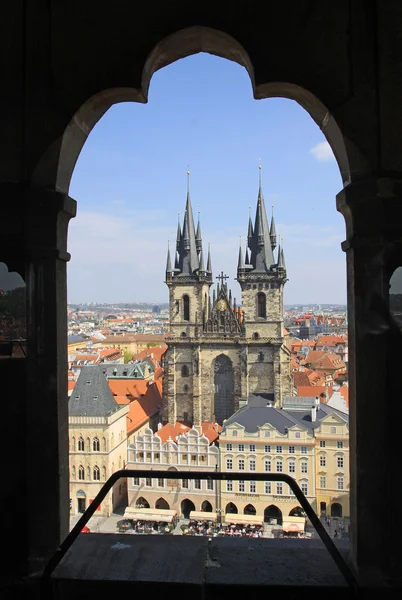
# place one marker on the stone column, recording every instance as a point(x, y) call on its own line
point(36, 235)
point(373, 215)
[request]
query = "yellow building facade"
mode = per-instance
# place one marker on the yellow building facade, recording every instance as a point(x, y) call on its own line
point(262, 439)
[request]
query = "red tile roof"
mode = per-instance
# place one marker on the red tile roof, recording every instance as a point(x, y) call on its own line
point(315, 390)
point(143, 409)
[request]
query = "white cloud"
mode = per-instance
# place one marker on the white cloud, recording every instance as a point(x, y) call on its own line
point(322, 152)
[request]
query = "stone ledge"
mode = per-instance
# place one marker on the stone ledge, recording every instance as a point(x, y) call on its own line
point(170, 565)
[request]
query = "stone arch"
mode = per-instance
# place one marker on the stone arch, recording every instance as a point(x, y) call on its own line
point(161, 503)
point(185, 371)
point(297, 511)
point(223, 388)
point(206, 506)
point(272, 512)
point(141, 502)
point(336, 509)
point(187, 506)
point(249, 510)
point(55, 167)
point(231, 509)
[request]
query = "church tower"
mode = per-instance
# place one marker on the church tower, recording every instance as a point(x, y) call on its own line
point(262, 279)
point(220, 353)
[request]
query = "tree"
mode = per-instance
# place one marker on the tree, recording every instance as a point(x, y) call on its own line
point(127, 357)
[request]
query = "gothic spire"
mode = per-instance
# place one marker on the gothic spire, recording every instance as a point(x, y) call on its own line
point(178, 238)
point(201, 268)
point(272, 230)
point(281, 259)
point(168, 261)
point(188, 255)
point(198, 237)
point(262, 257)
point(250, 229)
point(240, 262)
point(209, 264)
point(247, 259)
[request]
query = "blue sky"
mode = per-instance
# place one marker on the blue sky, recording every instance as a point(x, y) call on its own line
point(130, 183)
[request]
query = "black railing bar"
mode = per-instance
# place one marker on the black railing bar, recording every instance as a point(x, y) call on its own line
point(202, 475)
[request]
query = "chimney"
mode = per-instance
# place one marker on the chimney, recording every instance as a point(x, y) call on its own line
point(314, 410)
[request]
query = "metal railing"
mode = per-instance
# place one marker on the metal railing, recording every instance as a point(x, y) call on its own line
point(202, 475)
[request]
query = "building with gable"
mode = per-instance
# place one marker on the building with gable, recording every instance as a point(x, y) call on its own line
point(305, 439)
point(190, 451)
point(217, 351)
point(97, 441)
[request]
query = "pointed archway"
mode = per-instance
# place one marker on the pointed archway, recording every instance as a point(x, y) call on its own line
point(142, 503)
point(161, 503)
point(272, 513)
point(224, 388)
point(187, 506)
point(249, 510)
point(206, 506)
point(231, 509)
point(297, 511)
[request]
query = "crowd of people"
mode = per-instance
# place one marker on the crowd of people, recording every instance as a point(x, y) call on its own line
point(209, 528)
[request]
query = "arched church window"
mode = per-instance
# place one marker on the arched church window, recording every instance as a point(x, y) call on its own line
point(184, 371)
point(186, 308)
point(256, 336)
point(185, 388)
point(261, 305)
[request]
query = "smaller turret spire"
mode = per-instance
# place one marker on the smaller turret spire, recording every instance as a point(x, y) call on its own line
point(198, 237)
point(240, 263)
point(209, 264)
point(201, 268)
point(168, 261)
point(178, 239)
point(272, 230)
point(250, 229)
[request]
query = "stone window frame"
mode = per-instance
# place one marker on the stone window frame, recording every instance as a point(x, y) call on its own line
point(340, 482)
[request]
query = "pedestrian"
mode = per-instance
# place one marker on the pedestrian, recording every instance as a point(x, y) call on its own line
point(335, 534)
point(329, 522)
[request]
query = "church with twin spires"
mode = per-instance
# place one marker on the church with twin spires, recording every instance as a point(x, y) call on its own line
point(220, 353)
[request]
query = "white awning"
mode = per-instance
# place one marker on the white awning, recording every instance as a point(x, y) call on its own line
point(243, 519)
point(296, 524)
point(202, 516)
point(150, 514)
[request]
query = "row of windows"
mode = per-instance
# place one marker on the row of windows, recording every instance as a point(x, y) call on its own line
point(185, 483)
point(323, 443)
point(340, 461)
point(241, 464)
point(184, 457)
point(280, 449)
point(268, 487)
point(89, 475)
point(340, 482)
point(333, 429)
point(95, 445)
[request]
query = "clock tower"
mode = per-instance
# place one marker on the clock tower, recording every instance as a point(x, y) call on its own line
point(218, 352)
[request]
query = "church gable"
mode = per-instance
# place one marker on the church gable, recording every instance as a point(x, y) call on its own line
point(224, 316)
